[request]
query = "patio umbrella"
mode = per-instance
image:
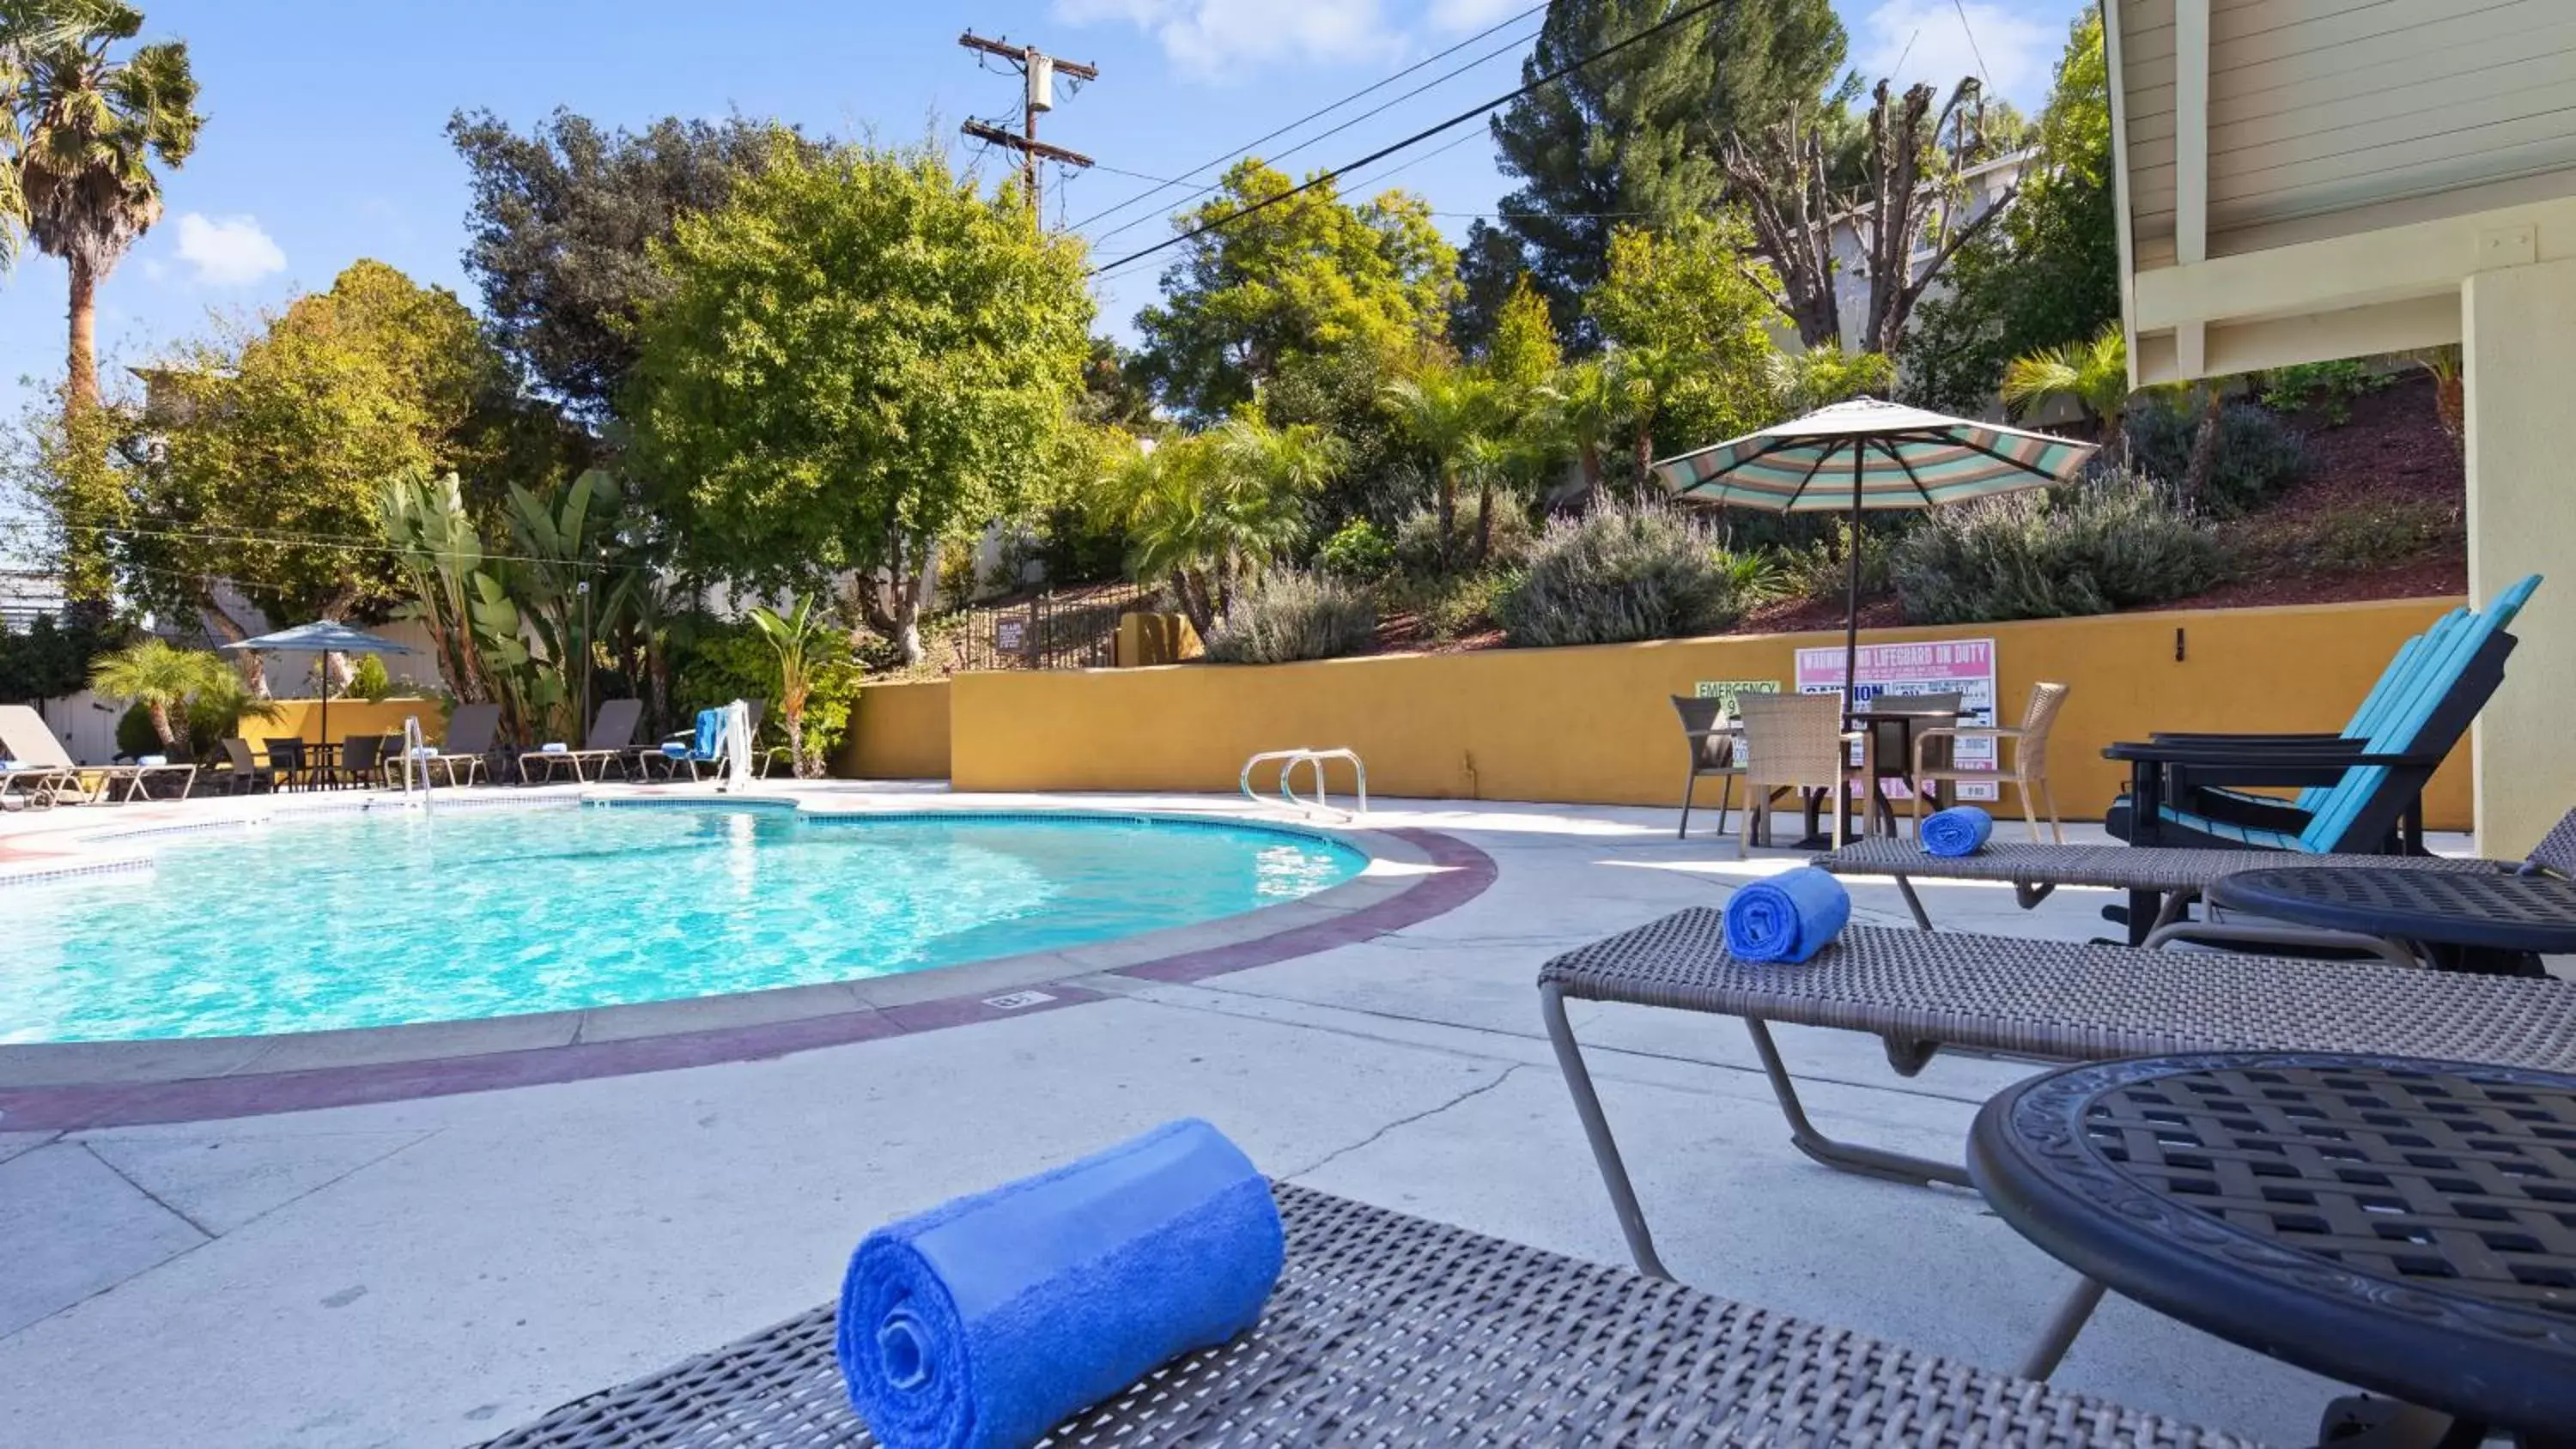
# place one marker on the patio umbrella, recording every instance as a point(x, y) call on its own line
point(325, 637)
point(1865, 455)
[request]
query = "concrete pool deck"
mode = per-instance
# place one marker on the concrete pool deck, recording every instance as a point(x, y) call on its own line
point(432, 1271)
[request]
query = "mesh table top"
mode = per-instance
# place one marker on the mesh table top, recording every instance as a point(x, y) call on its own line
point(1390, 1330)
point(2057, 999)
point(2503, 911)
point(2118, 867)
point(2407, 1226)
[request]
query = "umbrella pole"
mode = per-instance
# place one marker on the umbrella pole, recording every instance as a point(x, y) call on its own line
point(1851, 596)
point(325, 726)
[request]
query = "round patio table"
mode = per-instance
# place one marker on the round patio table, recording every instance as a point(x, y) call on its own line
point(2497, 923)
point(2407, 1226)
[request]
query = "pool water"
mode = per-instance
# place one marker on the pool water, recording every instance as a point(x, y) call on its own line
point(391, 917)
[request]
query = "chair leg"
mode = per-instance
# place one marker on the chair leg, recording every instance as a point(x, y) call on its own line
point(1596, 1129)
point(1689, 788)
point(1725, 793)
point(2048, 797)
point(2022, 787)
point(1844, 1156)
point(1744, 829)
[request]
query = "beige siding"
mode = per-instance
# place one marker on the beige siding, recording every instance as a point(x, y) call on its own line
point(2323, 106)
point(2146, 83)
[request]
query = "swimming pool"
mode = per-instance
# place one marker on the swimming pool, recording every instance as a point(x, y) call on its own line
point(392, 917)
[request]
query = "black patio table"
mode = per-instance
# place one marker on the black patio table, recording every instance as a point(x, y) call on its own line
point(2495, 923)
point(2407, 1226)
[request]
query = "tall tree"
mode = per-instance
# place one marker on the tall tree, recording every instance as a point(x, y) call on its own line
point(2048, 274)
point(1687, 312)
point(1523, 350)
point(1303, 277)
point(90, 128)
point(859, 358)
point(563, 224)
point(1635, 136)
point(1446, 409)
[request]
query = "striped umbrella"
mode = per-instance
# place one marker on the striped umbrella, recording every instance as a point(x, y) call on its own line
point(1859, 456)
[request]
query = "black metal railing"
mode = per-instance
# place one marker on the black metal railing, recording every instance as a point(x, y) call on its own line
point(1050, 631)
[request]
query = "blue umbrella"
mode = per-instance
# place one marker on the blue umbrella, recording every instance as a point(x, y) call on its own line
point(325, 637)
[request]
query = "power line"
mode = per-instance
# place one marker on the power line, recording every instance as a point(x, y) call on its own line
point(1317, 114)
point(1982, 73)
point(1425, 134)
point(339, 543)
point(1198, 190)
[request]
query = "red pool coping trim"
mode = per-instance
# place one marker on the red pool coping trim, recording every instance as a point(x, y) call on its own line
point(1461, 873)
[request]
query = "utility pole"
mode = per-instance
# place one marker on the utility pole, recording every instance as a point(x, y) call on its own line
point(1039, 70)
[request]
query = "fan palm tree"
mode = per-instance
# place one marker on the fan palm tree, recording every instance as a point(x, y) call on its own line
point(89, 127)
point(1208, 510)
point(163, 680)
point(1441, 408)
point(794, 637)
point(2093, 375)
point(1583, 404)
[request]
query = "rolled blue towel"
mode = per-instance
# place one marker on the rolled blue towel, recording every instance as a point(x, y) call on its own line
point(988, 1320)
point(675, 750)
point(1959, 830)
point(1789, 917)
point(553, 747)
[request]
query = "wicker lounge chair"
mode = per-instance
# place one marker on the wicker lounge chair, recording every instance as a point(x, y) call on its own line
point(1391, 1331)
point(25, 738)
point(611, 743)
point(2044, 999)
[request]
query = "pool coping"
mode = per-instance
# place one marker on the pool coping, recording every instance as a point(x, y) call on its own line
point(1412, 876)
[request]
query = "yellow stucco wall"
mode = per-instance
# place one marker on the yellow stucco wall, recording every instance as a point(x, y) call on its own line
point(897, 732)
point(303, 718)
point(1594, 724)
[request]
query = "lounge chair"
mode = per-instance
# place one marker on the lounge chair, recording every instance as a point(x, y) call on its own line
point(695, 763)
point(2361, 790)
point(611, 744)
point(2051, 1000)
point(28, 741)
point(1393, 1330)
point(467, 746)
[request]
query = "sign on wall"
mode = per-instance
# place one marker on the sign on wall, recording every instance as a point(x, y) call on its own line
point(1965, 667)
point(1724, 691)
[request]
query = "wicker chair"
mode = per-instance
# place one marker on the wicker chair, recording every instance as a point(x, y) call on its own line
point(2028, 774)
point(1712, 752)
point(1792, 742)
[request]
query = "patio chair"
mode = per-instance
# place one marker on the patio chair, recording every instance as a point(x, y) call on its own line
point(1713, 751)
point(244, 775)
point(1792, 742)
point(286, 757)
point(1888, 745)
point(1393, 1330)
point(467, 745)
point(48, 768)
point(611, 744)
point(361, 757)
point(2028, 773)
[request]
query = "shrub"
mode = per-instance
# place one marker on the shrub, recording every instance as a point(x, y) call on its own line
point(730, 661)
point(1356, 551)
point(369, 681)
point(1280, 617)
point(2115, 542)
point(1758, 576)
point(2330, 386)
point(2378, 533)
point(2258, 454)
point(1822, 569)
point(1417, 537)
point(1618, 574)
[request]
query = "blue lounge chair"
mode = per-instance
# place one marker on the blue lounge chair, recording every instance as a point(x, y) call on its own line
point(2409, 724)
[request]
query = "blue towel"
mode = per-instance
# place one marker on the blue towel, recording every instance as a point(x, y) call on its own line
point(1959, 830)
point(988, 1320)
point(553, 747)
point(1786, 918)
point(710, 728)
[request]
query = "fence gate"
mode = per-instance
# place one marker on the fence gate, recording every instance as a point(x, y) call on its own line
point(1049, 631)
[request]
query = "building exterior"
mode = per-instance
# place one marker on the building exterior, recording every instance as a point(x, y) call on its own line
point(2307, 180)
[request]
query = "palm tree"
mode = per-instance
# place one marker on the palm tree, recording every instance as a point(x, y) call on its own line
point(1583, 403)
point(88, 128)
point(2093, 375)
point(1441, 408)
point(163, 680)
point(1209, 510)
point(794, 637)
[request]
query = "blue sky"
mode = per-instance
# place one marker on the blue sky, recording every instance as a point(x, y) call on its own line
point(324, 140)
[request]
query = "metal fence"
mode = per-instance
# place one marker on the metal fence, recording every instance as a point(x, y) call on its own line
point(1075, 631)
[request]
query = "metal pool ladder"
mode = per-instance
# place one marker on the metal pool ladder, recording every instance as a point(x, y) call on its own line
point(1289, 760)
point(414, 748)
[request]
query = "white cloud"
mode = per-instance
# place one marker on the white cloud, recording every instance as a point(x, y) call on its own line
point(1226, 38)
point(228, 251)
point(1472, 14)
point(1925, 40)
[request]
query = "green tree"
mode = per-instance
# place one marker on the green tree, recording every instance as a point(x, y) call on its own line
point(858, 358)
point(292, 430)
point(1303, 277)
point(90, 126)
point(1637, 134)
point(562, 229)
point(1490, 268)
point(1445, 409)
point(2048, 273)
point(797, 637)
point(2094, 375)
point(1584, 404)
point(1688, 311)
point(1209, 510)
point(1523, 352)
point(162, 679)
point(1822, 376)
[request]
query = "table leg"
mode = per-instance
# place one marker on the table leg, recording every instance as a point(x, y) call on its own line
point(2072, 1313)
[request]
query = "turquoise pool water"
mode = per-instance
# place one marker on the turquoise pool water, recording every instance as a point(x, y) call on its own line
point(389, 917)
